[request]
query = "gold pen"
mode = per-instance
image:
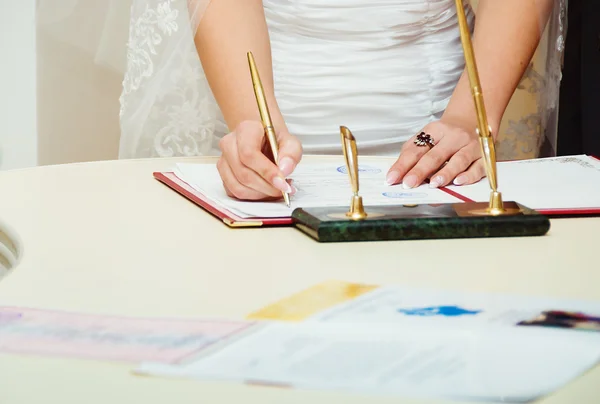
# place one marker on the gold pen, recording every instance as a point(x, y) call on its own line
point(265, 116)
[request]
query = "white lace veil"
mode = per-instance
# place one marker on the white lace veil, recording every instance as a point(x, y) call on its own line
point(167, 108)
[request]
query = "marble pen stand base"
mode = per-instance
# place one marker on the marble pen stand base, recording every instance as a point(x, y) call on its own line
point(418, 222)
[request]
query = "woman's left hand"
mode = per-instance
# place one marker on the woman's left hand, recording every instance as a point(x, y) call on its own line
point(452, 144)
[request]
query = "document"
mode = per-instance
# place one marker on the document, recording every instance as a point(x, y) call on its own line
point(549, 183)
point(510, 365)
point(409, 307)
point(321, 184)
point(129, 339)
point(346, 302)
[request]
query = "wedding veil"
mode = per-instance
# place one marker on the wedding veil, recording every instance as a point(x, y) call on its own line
point(166, 106)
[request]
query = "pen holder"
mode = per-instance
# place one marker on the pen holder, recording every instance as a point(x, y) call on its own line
point(414, 222)
point(463, 220)
point(417, 222)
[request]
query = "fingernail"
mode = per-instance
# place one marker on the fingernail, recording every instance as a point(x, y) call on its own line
point(461, 179)
point(409, 182)
point(282, 185)
point(436, 182)
point(392, 177)
point(286, 165)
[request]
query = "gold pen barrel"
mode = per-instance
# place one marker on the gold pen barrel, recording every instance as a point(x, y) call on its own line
point(259, 93)
point(483, 128)
point(357, 210)
point(265, 116)
point(472, 72)
point(489, 149)
point(351, 156)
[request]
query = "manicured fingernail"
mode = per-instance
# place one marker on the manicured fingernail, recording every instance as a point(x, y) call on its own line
point(461, 179)
point(392, 177)
point(282, 185)
point(409, 182)
point(286, 165)
point(436, 182)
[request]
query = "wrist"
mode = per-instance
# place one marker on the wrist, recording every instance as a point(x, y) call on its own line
point(277, 117)
point(468, 120)
point(246, 109)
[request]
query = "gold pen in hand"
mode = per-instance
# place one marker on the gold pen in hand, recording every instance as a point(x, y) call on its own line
point(265, 117)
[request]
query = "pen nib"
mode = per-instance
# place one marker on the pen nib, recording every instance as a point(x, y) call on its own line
point(286, 197)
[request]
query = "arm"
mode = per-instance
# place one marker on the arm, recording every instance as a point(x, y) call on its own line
point(228, 30)
point(507, 33)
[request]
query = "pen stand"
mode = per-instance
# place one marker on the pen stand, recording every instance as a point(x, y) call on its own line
point(357, 222)
point(460, 220)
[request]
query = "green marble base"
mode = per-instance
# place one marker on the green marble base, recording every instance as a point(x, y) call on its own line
point(442, 221)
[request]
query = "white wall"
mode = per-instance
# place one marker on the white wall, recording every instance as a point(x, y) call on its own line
point(81, 49)
point(18, 138)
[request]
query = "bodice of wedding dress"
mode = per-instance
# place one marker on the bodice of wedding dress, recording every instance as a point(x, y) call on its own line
point(383, 68)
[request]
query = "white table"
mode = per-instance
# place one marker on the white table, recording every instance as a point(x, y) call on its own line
point(107, 238)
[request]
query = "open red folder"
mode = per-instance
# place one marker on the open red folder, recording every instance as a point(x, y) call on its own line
point(230, 219)
point(461, 193)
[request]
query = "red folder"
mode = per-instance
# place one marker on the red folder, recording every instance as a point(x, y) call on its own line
point(551, 212)
point(232, 220)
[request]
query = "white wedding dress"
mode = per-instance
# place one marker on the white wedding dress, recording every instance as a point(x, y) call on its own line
point(383, 68)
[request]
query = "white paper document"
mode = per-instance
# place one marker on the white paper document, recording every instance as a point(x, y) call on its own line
point(320, 184)
point(571, 182)
point(505, 365)
point(408, 307)
point(550, 183)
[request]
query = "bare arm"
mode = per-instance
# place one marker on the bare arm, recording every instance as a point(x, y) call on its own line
point(507, 33)
point(228, 30)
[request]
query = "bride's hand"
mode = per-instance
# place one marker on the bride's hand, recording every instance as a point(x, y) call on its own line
point(246, 171)
point(452, 143)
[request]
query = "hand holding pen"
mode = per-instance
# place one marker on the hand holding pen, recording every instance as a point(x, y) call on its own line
point(249, 154)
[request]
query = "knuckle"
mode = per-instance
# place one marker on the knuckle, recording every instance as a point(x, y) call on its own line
point(462, 161)
point(246, 153)
point(480, 168)
point(434, 158)
point(225, 142)
point(465, 135)
point(244, 177)
point(248, 126)
point(238, 191)
point(228, 191)
point(403, 165)
point(435, 127)
point(269, 172)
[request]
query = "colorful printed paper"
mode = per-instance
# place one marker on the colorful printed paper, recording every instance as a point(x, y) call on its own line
point(130, 339)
